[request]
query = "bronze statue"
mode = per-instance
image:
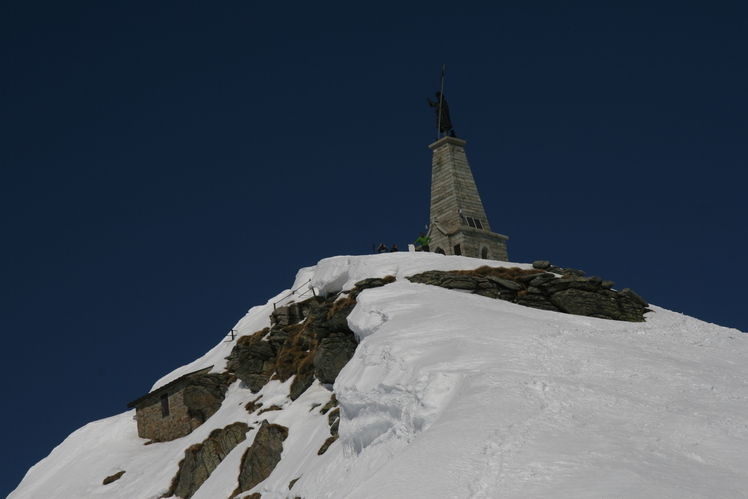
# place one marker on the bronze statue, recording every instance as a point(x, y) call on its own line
point(443, 121)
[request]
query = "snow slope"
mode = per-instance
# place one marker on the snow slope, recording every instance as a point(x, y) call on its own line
point(459, 396)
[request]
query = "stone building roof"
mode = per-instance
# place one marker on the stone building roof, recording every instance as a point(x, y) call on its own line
point(172, 384)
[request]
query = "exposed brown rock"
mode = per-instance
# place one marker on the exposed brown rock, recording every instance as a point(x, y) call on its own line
point(200, 460)
point(333, 419)
point(271, 408)
point(300, 383)
point(253, 405)
point(333, 402)
point(262, 456)
point(571, 293)
point(308, 340)
point(113, 478)
point(332, 354)
point(203, 398)
point(326, 445)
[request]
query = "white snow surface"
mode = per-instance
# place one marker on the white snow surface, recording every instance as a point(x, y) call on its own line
point(453, 395)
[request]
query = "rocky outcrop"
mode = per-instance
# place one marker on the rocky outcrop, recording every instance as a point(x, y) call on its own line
point(333, 420)
point(545, 287)
point(307, 340)
point(332, 354)
point(202, 459)
point(293, 313)
point(262, 456)
point(113, 478)
point(332, 403)
point(253, 405)
point(204, 396)
point(253, 360)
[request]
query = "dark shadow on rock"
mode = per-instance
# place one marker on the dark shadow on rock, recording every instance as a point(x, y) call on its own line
point(262, 456)
point(558, 290)
point(307, 340)
point(202, 459)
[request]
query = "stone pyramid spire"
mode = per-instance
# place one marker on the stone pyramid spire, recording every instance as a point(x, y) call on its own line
point(458, 222)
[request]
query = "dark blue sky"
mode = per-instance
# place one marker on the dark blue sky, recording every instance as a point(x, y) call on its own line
point(168, 165)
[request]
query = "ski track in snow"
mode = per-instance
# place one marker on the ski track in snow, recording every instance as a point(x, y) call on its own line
point(460, 396)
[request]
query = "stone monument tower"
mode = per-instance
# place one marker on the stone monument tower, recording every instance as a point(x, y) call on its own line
point(458, 222)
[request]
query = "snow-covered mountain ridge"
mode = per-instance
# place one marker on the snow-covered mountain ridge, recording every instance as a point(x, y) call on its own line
point(460, 396)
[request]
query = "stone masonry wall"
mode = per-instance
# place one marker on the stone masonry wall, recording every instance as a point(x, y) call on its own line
point(193, 399)
point(454, 196)
point(453, 187)
point(472, 242)
point(177, 424)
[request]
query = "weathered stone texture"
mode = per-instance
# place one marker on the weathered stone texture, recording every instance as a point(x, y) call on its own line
point(290, 314)
point(333, 402)
point(202, 459)
point(154, 426)
point(308, 340)
point(455, 204)
point(571, 293)
point(204, 396)
point(262, 457)
point(113, 478)
point(300, 383)
point(192, 400)
point(333, 420)
point(332, 354)
point(252, 363)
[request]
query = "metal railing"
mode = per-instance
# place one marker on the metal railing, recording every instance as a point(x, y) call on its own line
point(233, 332)
point(293, 292)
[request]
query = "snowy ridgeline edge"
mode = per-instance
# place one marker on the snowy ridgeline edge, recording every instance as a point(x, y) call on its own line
point(291, 367)
point(311, 341)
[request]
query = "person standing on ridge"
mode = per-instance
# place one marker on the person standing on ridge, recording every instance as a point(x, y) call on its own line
point(424, 242)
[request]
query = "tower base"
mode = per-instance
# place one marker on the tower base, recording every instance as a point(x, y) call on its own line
point(469, 242)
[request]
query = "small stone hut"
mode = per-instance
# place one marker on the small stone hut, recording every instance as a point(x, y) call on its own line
point(177, 408)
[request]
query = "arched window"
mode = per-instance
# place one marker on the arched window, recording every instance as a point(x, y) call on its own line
point(484, 253)
point(439, 250)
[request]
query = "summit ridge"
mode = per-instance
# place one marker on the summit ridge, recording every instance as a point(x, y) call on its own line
point(448, 394)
